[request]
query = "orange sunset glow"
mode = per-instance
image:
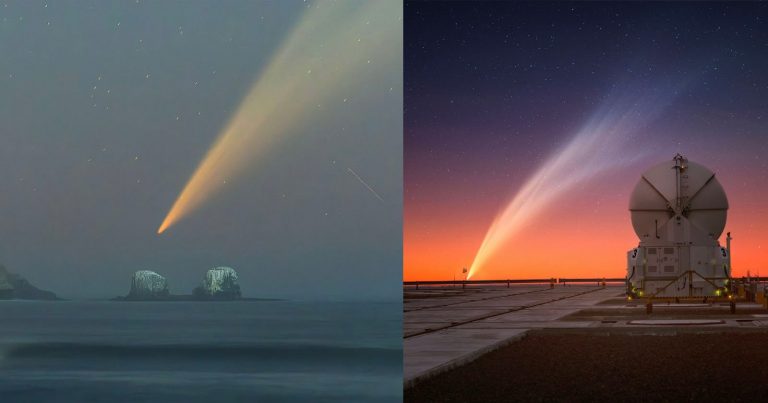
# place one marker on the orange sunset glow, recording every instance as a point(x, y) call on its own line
point(523, 139)
point(585, 234)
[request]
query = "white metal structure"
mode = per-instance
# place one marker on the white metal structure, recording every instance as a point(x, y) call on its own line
point(678, 211)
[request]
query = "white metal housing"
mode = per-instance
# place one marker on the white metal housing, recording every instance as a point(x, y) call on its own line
point(678, 211)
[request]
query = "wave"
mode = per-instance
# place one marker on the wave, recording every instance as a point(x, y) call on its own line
point(116, 354)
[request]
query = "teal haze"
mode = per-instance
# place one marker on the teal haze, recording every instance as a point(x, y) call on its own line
point(107, 108)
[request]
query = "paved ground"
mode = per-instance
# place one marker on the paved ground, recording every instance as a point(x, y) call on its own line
point(446, 328)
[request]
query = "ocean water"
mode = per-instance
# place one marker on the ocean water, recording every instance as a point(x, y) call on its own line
point(105, 351)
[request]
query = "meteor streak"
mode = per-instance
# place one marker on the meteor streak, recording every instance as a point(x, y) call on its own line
point(600, 145)
point(332, 50)
point(364, 184)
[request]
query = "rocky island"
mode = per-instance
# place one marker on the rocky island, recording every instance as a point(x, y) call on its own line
point(219, 284)
point(147, 284)
point(14, 286)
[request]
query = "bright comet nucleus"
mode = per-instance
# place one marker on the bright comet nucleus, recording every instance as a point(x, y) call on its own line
point(331, 52)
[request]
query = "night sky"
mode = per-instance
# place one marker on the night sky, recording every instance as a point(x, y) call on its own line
point(106, 108)
point(494, 90)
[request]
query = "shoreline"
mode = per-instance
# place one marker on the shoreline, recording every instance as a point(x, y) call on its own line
point(183, 298)
point(123, 299)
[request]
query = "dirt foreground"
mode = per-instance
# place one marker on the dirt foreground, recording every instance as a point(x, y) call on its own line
point(547, 366)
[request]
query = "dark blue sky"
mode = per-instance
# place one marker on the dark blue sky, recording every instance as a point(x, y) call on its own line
point(521, 77)
point(516, 65)
point(494, 89)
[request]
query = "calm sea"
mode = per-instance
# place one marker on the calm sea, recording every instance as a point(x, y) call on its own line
point(104, 351)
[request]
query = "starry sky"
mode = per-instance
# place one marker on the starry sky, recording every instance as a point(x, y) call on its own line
point(106, 108)
point(493, 91)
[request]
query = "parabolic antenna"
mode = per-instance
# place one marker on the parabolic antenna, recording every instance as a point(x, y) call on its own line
point(674, 188)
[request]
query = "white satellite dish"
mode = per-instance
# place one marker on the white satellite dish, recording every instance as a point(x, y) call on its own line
point(678, 211)
point(658, 198)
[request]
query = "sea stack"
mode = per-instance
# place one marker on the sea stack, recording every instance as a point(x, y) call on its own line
point(147, 285)
point(14, 286)
point(219, 283)
point(6, 288)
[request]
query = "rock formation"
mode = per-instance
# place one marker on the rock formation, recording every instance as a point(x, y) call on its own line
point(6, 289)
point(219, 283)
point(147, 284)
point(14, 286)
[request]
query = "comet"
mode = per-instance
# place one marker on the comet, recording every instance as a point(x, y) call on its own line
point(331, 52)
point(599, 146)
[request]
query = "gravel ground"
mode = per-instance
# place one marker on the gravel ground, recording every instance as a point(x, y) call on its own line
point(618, 367)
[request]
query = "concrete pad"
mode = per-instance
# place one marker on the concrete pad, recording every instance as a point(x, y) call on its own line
point(432, 353)
point(419, 325)
point(674, 305)
point(449, 316)
point(544, 324)
point(676, 322)
point(622, 306)
point(505, 301)
point(524, 315)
